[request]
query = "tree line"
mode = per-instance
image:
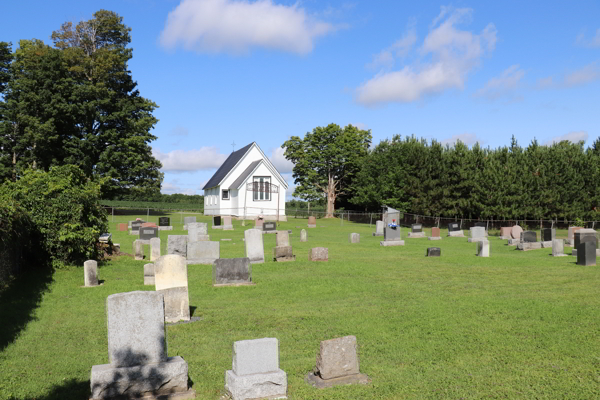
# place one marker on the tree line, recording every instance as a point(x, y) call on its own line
point(559, 181)
point(76, 103)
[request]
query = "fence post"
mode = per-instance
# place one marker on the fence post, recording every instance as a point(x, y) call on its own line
point(113, 214)
point(370, 219)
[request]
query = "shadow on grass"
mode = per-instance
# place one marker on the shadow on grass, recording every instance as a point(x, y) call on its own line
point(19, 302)
point(71, 389)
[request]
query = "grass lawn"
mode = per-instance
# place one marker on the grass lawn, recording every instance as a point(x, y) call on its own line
point(517, 325)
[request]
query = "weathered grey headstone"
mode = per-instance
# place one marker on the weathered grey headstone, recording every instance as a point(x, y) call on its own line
point(164, 221)
point(270, 227)
point(391, 233)
point(585, 235)
point(318, 254)
point(177, 303)
point(354, 238)
point(558, 247)
point(571, 235)
point(586, 253)
point(170, 278)
point(416, 228)
point(232, 271)
point(283, 253)
point(255, 373)
point(136, 225)
point(529, 245)
point(282, 238)
point(90, 273)
point(147, 233)
point(177, 244)
point(433, 252)
point(303, 237)
point(137, 351)
point(188, 220)
point(529, 237)
point(138, 247)
point(483, 248)
point(312, 222)
point(154, 248)
point(202, 252)
point(477, 234)
point(197, 231)
point(255, 250)
point(378, 228)
point(516, 231)
point(149, 274)
point(547, 234)
point(227, 223)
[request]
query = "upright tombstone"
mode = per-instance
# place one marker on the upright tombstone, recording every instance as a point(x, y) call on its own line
point(391, 216)
point(149, 274)
point(136, 225)
point(571, 235)
point(216, 222)
point(138, 248)
point(147, 233)
point(337, 364)
point(154, 248)
point(477, 234)
point(232, 272)
point(186, 221)
point(354, 238)
point(282, 238)
point(433, 252)
point(255, 251)
point(303, 237)
point(515, 232)
point(255, 372)
point(585, 235)
point(312, 222)
point(197, 232)
point(529, 237)
point(137, 351)
point(258, 222)
point(435, 234)
point(529, 241)
point(122, 227)
point(391, 236)
point(558, 246)
point(90, 273)
point(483, 248)
point(547, 234)
point(454, 230)
point(205, 252)
point(505, 232)
point(416, 231)
point(270, 227)
point(482, 225)
point(318, 254)
point(170, 278)
point(227, 223)
point(164, 224)
point(283, 250)
point(177, 244)
point(586, 253)
point(378, 228)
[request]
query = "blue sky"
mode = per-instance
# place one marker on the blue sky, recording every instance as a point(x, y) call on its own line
point(225, 71)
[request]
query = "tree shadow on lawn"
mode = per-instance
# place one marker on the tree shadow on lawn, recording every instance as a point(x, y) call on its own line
point(19, 302)
point(70, 389)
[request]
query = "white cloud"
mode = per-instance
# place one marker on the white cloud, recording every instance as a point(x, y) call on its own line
point(467, 138)
point(172, 187)
point(449, 55)
point(282, 164)
point(190, 160)
point(545, 83)
point(573, 137)
point(587, 74)
point(593, 42)
point(237, 26)
point(503, 85)
point(386, 58)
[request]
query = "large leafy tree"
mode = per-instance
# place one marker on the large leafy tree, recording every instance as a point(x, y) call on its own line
point(326, 160)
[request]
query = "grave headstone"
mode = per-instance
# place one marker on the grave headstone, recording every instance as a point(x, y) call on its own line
point(205, 252)
point(483, 248)
point(270, 227)
point(391, 216)
point(435, 232)
point(170, 278)
point(136, 225)
point(90, 273)
point(188, 220)
point(282, 238)
point(258, 223)
point(516, 231)
point(416, 231)
point(283, 253)
point(122, 227)
point(147, 233)
point(216, 222)
point(105, 237)
point(138, 247)
point(433, 252)
point(548, 234)
point(303, 237)
point(148, 225)
point(164, 221)
point(558, 248)
point(312, 222)
point(586, 253)
point(505, 232)
point(255, 372)
point(571, 234)
point(149, 274)
point(154, 249)
point(255, 250)
point(232, 271)
point(318, 254)
point(454, 230)
point(227, 223)
point(477, 234)
point(197, 231)
point(585, 235)
point(481, 224)
point(177, 244)
point(391, 236)
point(378, 228)
point(137, 351)
point(416, 228)
point(529, 237)
point(354, 238)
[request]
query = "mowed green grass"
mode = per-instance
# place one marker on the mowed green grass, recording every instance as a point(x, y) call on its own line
point(517, 325)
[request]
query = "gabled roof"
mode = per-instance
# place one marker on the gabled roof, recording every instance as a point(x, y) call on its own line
point(227, 166)
point(244, 175)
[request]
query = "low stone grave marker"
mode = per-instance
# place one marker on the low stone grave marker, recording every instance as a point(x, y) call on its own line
point(391, 236)
point(148, 225)
point(154, 248)
point(197, 232)
point(255, 250)
point(435, 234)
point(477, 234)
point(529, 237)
point(137, 351)
point(312, 222)
point(90, 273)
point(105, 237)
point(483, 248)
point(147, 233)
point(354, 238)
point(586, 253)
point(454, 230)
point(170, 279)
point(337, 364)
point(216, 222)
point(255, 372)
point(269, 227)
point(283, 253)
point(232, 272)
point(205, 252)
point(505, 232)
point(515, 232)
point(138, 248)
point(177, 244)
point(433, 252)
point(529, 241)
point(558, 248)
point(164, 224)
point(303, 237)
point(282, 238)
point(378, 228)
point(416, 231)
point(258, 223)
point(136, 225)
point(227, 223)
point(318, 254)
point(149, 274)
point(122, 227)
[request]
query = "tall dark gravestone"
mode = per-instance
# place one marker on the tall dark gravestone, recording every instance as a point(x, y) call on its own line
point(148, 233)
point(585, 235)
point(217, 220)
point(586, 253)
point(453, 227)
point(547, 234)
point(482, 224)
point(164, 221)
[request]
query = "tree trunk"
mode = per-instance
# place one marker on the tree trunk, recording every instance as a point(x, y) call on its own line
point(331, 195)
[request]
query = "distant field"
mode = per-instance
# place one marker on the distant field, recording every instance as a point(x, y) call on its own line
point(517, 325)
point(153, 205)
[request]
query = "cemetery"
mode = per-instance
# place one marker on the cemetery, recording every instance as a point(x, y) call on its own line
point(420, 319)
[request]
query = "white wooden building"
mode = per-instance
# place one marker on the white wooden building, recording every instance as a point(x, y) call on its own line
point(246, 185)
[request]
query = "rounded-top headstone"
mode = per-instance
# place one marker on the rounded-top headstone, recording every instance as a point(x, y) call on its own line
point(516, 231)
